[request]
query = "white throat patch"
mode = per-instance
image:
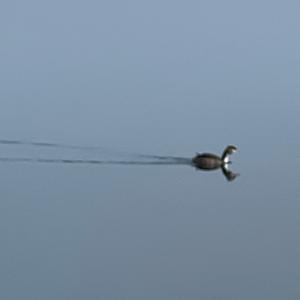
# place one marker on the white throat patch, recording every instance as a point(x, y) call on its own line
point(226, 159)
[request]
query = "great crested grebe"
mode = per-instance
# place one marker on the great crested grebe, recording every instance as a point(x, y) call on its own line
point(209, 161)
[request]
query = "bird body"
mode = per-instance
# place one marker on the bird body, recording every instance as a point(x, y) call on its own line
point(209, 161)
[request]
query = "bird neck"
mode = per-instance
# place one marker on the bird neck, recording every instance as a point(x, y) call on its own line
point(225, 156)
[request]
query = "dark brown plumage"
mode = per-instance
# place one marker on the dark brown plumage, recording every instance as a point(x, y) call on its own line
point(209, 161)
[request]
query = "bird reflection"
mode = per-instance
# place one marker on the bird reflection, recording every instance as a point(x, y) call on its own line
point(210, 162)
point(203, 162)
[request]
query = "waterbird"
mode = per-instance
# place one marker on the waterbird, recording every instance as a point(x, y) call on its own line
point(209, 161)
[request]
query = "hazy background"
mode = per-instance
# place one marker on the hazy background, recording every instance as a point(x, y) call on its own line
point(158, 77)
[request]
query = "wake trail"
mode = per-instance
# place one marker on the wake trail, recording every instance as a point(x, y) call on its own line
point(90, 148)
point(92, 161)
point(49, 145)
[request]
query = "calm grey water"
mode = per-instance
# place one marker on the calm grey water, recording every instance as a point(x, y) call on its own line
point(161, 78)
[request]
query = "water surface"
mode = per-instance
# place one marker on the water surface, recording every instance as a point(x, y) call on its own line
point(94, 95)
